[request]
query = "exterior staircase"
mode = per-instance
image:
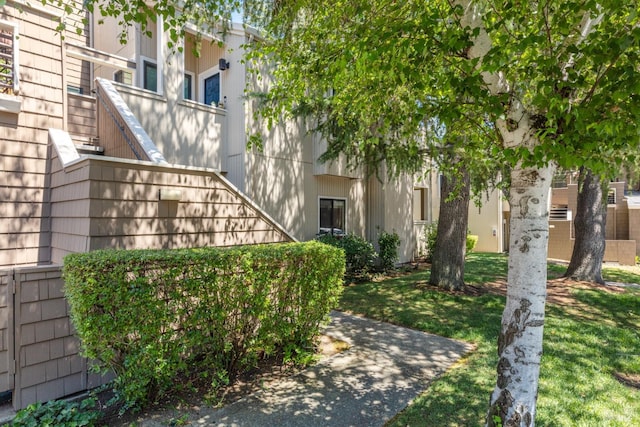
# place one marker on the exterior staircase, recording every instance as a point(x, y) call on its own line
point(86, 145)
point(559, 212)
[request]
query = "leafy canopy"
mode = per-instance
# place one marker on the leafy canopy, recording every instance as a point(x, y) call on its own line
point(371, 74)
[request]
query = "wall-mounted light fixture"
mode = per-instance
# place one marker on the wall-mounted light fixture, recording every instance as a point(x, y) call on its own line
point(223, 64)
point(170, 194)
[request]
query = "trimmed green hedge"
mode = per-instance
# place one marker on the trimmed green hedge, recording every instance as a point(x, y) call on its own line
point(150, 316)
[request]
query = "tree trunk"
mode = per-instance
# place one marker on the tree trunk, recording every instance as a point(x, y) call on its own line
point(447, 261)
point(513, 401)
point(589, 226)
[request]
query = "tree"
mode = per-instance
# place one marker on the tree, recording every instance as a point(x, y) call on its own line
point(447, 260)
point(558, 81)
point(555, 78)
point(589, 226)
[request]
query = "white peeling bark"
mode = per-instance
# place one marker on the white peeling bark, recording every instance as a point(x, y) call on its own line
point(513, 401)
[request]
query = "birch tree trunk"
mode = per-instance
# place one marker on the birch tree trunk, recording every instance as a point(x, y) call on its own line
point(589, 226)
point(513, 401)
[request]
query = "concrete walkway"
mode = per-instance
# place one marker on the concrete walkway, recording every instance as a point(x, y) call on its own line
point(384, 370)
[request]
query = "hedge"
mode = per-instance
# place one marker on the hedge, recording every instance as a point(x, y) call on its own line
point(150, 316)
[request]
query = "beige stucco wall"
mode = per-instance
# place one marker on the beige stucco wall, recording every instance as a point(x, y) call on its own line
point(486, 222)
point(390, 208)
point(561, 245)
point(634, 226)
point(186, 133)
point(398, 215)
point(106, 38)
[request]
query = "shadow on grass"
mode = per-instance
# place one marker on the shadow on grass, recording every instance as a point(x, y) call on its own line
point(584, 345)
point(578, 365)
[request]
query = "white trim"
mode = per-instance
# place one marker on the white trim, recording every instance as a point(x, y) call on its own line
point(205, 75)
point(193, 30)
point(131, 122)
point(346, 208)
point(10, 104)
point(64, 146)
point(160, 54)
point(92, 55)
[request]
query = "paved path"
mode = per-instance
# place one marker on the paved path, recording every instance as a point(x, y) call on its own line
point(384, 370)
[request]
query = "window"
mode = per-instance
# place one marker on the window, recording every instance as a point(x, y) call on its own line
point(212, 90)
point(333, 216)
point(122, 76)
point(421, 204)
point(209, 87)
point(9, 78)
point(611, 196)
point(188, 86)
point(75, 89)
point(150, 76)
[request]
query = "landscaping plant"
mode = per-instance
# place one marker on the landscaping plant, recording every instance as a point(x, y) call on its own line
point(150, 316)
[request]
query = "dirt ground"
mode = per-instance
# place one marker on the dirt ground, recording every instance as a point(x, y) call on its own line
point(170, 411)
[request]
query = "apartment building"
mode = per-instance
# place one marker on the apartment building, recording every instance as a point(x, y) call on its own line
point(104, 145)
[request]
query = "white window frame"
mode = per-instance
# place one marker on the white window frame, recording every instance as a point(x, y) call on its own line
point(346, 209)
point(10, 102)
point(205, 75)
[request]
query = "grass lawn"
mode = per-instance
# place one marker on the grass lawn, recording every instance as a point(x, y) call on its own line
point(589, 339)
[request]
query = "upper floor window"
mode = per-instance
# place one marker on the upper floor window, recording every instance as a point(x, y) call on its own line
point(9, 78)
point(188, 85)
point(210, 84)
point(150, 76)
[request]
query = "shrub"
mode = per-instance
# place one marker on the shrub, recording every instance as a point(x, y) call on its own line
point(472, 240)
point(389, 244)
point(152, 315)
point(359, 254)
point(58, 413)
point(430, 235)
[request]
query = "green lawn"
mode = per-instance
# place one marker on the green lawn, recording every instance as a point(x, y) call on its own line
point(582, 349)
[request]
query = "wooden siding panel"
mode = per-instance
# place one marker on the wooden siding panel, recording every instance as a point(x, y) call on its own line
point(48, 361)
point(24, 137)
point(81, 116)
point(121, 209)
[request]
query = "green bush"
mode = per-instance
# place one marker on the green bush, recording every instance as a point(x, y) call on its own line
point(58, 413)
point(359, 254)
point(472, 240)
point(430, 235)
point(389, 244)
point(152, 315)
